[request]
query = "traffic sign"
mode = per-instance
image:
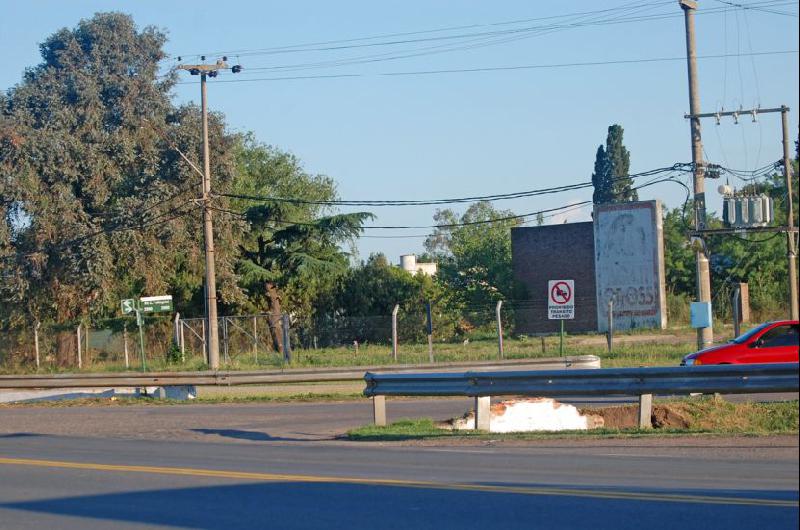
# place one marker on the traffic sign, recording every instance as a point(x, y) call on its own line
point(128, 306)
point(561, 299)
point(156, 304)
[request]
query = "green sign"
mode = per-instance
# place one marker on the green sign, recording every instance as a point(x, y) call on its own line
point(156, 304)
point(128, 306)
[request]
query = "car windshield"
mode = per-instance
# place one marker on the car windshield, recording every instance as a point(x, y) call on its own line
point(744, 337)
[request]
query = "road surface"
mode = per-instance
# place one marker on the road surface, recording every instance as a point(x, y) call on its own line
point(282, 466)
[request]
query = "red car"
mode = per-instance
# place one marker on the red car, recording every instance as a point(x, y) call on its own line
point(771, 342)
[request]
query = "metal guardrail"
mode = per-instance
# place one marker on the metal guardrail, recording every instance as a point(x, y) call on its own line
point(642, 382)
point(264, 377)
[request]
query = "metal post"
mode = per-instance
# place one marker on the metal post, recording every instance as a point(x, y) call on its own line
point(125, 344)
point(80, 361)
point(86, 344)
point(394, 331)
point(499, 330)
point(140, 323)
point(183, 343)
point(225, 342)
point(705, 336)
point(379, 410)
point(544, 347)
point(735, 311)
point(610, 335)
point(205, 343)
point(430, 330)
point(36, 341)
point(561, 339)
point(287, 343)
point(790, 247)
point(175, 332)
point(255, 340)
point(645, 411)
point(483, 412)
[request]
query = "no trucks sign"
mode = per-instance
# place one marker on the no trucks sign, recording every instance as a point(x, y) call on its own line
point(561, 299)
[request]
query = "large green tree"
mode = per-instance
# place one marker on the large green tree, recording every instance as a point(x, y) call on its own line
point(96, 202)
point(474, 253)
point(611, 176)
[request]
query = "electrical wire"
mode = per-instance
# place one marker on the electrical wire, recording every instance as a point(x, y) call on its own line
point(429, 202)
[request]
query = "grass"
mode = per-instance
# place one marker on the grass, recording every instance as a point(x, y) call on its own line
point(706, 416)
point(658, 348)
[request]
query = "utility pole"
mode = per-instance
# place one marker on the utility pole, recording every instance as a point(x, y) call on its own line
point(790, 248)
point(705, 336)
point(790, 230)
point(212, 338)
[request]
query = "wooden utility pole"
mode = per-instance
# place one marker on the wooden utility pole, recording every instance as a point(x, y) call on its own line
point(212, 339)
point(705, 336)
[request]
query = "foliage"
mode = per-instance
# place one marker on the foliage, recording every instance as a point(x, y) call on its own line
point(95, 200)
point(474, 254)
point(611, 179)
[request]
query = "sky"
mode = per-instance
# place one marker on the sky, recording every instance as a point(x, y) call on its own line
point(378, 114)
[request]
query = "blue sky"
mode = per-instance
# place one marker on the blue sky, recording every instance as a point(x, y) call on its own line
point(470, 133)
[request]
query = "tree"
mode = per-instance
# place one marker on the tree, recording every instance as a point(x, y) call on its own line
point(96, 201)
point(602, 178)
point(611, 177)
point(474, 251)
point(281, 249)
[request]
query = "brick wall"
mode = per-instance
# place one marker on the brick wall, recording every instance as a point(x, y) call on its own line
point(555, 252)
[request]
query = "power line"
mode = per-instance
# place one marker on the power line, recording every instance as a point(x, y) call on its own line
point(457, 200)
point(498, 68)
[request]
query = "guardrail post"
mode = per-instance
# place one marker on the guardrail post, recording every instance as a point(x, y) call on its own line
point(379, 410)
point(499, 329)
point(483, 412)
point(394, 331)
point(645, 411)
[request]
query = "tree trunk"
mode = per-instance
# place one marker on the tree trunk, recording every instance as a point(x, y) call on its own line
point(275, 324)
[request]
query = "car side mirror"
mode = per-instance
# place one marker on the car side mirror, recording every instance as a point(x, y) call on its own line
point(756, 343)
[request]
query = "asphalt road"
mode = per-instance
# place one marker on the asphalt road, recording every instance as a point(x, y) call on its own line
point(281, 466)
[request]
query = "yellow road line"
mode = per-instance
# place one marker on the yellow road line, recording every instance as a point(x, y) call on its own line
point(520, 490)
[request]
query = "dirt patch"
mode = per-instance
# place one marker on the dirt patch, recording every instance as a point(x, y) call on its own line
point(627, 417)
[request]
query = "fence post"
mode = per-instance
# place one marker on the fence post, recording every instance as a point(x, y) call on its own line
point(645, 411)
point(610, 332)
point(544, 347)
point(379, 410)
point(86, 344)
point(499, 330)
point(225, 339)
point(483, 412)
point(182, 339)
point(394, 331)
point(36, 341)
point(255, 339)
point(430, 330)
point(125, 344)
point(80, 361)
point(175, 332)
point(287, 343)
point(205, 349)
point(735, 310)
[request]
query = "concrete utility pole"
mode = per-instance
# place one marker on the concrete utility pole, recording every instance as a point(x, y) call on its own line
point(791, 251)
point(790, 248)
point(212, 339)
point(705, 336)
